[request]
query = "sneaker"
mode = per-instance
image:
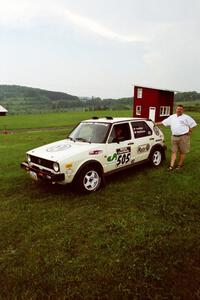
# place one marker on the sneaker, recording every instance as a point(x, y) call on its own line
point(178, 167)
point(170, 168)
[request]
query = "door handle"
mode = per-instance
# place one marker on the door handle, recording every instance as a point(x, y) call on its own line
point(130, 143)
point(151, 139)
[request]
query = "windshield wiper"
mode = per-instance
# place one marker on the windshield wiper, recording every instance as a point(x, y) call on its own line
point(81, 140)
point(71, 139)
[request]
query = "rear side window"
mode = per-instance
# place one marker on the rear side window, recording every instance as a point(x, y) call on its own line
point(141, 129)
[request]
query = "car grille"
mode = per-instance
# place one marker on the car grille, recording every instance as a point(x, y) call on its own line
point(42, 162)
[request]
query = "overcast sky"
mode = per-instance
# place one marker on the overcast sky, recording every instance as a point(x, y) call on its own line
point(100, 47)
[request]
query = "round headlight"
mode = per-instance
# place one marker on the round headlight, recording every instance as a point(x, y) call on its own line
point(56, 166)
point(28, 158)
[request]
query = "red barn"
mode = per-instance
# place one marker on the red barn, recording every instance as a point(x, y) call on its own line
point(154, 104)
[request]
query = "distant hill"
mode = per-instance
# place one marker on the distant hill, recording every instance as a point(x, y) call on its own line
point(20, 99)
point(25, 100)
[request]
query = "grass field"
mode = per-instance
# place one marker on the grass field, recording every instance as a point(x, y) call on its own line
point(53, 119)
point(138, 238)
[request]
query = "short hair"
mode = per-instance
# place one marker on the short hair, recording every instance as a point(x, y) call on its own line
point(180, 105)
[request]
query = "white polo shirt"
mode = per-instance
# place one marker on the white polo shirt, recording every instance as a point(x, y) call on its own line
point(179, 124)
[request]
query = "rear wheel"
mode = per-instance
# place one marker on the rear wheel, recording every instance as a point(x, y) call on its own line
point(89, 180)
point(156, 157)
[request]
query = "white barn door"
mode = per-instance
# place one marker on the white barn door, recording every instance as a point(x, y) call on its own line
point(152, 113)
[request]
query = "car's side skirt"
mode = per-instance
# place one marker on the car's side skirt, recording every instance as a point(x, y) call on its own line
point(126, 167)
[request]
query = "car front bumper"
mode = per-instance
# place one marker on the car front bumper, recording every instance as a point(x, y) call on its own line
point(37, 173)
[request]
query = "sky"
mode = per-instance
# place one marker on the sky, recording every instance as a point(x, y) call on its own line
point(100, 48)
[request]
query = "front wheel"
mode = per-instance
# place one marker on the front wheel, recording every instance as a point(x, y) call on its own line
point(89, 180)
point(156, 157)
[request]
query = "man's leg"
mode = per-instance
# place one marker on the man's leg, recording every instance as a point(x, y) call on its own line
point(174, 150)
point(181, 159)
point(173, 159)
point(184, 147)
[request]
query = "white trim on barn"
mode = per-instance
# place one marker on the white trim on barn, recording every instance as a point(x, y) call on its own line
point(164, 111)
point(139, 93)
point(138, 110)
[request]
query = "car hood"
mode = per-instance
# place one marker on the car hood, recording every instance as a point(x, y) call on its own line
point(62, 149)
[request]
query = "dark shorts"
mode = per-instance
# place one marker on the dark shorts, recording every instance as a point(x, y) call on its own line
point(181, 143)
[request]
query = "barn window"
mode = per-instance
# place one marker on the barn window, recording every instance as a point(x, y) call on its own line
point(164, 111)
point(139, 93)
point(138, 110)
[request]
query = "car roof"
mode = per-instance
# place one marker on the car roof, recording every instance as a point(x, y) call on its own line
point(113, 120)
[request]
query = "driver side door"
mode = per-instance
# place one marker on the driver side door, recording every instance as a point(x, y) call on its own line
point(118, 149)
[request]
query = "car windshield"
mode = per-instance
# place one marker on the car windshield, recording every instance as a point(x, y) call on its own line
point(90, 132)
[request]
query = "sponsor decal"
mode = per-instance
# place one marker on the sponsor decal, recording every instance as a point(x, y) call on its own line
point(95, 151)
point(139, 130)
point(143, 148)
point(123, 156)
point(58, 148)
point(112, 158)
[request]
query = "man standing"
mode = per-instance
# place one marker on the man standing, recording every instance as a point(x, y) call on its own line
point(181, 126)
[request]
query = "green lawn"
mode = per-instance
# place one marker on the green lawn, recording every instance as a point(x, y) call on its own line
point(138, 238)
point(54, 119)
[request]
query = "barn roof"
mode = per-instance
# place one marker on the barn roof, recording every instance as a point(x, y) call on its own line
point(153, 88)
point(2, 109)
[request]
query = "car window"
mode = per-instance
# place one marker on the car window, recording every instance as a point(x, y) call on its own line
point(85, 131)
point(156, 130)
point(141, 129)
point(90, 132)
point(120, 133)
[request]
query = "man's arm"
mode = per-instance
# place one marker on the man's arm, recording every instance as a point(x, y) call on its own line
point(166, 122)
point(191, 124)
point(158, 123)
point(191, 129)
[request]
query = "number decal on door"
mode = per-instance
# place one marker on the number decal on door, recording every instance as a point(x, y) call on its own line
point(123, 156)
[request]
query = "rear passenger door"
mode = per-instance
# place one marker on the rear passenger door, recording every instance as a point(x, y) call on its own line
point(143, 140)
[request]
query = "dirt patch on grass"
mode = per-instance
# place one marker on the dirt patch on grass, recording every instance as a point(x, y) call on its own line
point(29, 130)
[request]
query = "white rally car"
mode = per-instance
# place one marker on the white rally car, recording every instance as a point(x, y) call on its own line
point(95, 148)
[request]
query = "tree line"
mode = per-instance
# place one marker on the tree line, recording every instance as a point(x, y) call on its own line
point(19, 99)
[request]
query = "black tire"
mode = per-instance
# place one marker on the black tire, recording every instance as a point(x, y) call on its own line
point(89, 180)
point(156, 157)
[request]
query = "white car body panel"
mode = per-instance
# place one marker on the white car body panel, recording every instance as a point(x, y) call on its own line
point(71, 155)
